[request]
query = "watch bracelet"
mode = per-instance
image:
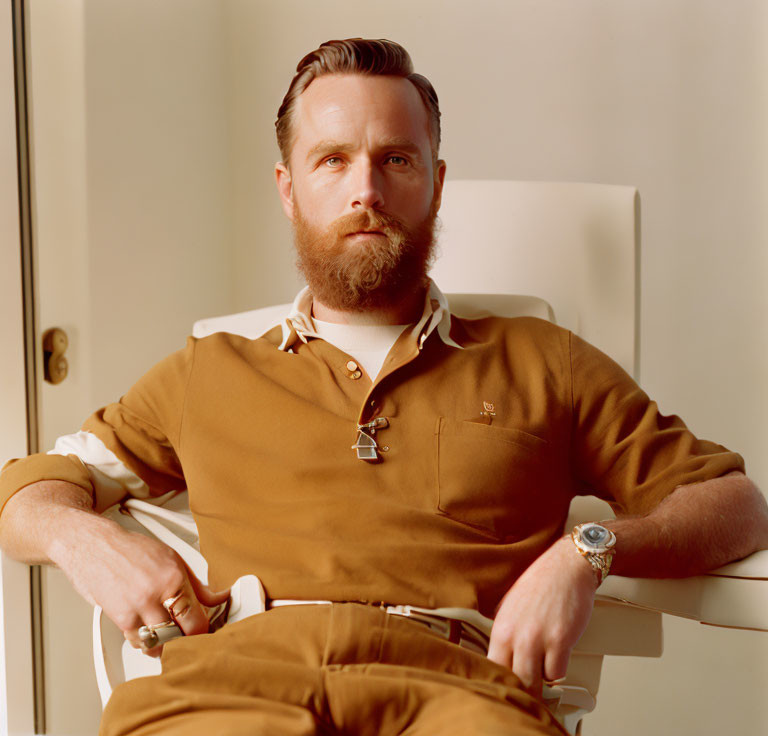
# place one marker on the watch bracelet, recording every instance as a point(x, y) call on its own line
point(601, 564)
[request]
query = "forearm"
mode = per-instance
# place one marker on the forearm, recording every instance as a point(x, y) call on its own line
point(698, 527)
point(126, 573)
point(41, 520)
point(695, 529)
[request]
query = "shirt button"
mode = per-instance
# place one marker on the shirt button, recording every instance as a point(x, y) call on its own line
point(351, 366)
point(356, 374)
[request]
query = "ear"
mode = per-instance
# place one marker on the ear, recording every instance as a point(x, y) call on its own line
point(439, 181)
point(284, 188)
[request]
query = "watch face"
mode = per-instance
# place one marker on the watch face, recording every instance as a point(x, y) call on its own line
point(597, 537)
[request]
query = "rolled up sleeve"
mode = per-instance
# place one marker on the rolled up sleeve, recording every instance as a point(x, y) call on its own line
point(138, 436)
point(623, 448)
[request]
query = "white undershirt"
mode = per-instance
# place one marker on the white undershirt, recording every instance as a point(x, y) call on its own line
point(369, 345)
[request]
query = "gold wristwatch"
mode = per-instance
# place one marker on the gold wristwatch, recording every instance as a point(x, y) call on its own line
point(596, 544)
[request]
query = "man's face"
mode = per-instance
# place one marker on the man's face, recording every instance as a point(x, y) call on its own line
point(361, 190)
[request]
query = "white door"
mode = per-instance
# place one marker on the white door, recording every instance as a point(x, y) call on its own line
point(131, 228)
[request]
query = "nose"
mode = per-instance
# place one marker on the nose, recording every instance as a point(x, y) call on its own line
point(367, 191)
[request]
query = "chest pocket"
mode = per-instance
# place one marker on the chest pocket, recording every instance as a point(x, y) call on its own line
point(494, 478)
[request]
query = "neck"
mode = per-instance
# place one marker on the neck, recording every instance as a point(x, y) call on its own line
point(403, 313)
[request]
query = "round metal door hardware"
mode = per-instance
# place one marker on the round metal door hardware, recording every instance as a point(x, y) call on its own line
point(55, 343)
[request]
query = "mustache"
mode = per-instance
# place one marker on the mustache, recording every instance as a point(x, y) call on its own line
point(368, 220)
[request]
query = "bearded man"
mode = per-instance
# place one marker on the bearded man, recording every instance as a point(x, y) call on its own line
point(444, 507)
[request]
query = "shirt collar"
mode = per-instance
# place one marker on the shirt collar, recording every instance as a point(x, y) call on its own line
point(298, 325)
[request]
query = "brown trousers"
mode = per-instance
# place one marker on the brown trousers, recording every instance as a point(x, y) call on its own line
point(339, 669)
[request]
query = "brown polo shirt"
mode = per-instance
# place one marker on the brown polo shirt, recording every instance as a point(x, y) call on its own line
point(486, 446)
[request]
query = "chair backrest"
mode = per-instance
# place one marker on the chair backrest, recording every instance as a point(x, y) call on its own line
point(575, 245)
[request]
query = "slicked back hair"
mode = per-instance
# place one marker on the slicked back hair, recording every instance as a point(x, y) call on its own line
point(375, 57)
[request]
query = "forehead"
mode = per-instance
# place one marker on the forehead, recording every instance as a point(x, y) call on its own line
point(354, 108)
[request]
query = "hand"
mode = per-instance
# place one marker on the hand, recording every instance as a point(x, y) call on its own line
point(130, 575)
point(542, 616)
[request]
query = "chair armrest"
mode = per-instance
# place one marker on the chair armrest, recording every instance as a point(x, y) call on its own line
point(754, 567)
point(735, 595)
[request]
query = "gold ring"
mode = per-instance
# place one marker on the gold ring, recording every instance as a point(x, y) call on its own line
point(169, 603)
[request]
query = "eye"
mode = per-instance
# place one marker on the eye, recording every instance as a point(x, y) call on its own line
point(333, 162)
point(397, 160)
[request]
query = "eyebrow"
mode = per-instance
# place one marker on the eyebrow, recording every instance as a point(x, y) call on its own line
point(323, 148)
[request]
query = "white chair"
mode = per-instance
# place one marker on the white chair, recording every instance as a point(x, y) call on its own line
point(576, 246)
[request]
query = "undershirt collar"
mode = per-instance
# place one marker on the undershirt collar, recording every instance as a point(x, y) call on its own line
point(299, 324)
point(369, 345)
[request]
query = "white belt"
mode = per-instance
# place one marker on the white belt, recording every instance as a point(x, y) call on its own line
point(463, 626)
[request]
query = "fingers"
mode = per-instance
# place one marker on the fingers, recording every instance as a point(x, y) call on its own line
point(190, 606)
point(527, 664)
point(204, 594)
point(499, 650)
point(151, 638)
point(133, 638)
point(524, 660)
point(168, 606)
point(181, 611)
point(556, 663)
point(532, 664)
point(184, 608)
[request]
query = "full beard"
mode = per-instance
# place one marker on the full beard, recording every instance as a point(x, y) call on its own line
point(355, 277)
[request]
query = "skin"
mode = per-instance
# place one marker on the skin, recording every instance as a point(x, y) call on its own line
point(364, 142)
point(361, 142)
point(129, 575)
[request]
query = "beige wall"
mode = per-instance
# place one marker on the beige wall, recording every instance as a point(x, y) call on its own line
point(159, 185)
point(162, 159)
